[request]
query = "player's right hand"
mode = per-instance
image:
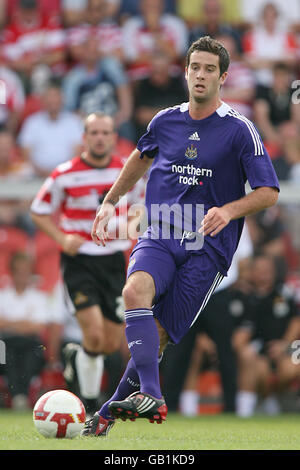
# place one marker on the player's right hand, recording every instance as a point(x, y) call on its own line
point(71, 244)
point(100, 231)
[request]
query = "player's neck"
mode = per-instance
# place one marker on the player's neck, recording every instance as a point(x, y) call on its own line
point(203, 110)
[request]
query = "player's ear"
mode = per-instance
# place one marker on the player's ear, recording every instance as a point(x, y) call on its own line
point(223, 78)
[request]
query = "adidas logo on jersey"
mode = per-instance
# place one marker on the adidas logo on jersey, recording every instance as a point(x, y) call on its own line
point(194, 136)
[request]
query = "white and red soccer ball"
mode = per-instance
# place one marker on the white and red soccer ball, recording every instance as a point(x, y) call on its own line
point(59, 413)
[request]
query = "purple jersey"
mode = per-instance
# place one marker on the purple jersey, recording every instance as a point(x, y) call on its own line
point(207, 162)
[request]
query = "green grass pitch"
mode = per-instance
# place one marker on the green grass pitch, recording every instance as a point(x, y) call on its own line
point(218, 432)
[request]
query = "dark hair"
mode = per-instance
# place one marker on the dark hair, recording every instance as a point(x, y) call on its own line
point(208, 44)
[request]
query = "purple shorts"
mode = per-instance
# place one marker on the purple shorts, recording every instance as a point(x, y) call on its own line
point(184, 281)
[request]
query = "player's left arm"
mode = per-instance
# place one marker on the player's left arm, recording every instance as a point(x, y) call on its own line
point(258, 169)
point(218, 217)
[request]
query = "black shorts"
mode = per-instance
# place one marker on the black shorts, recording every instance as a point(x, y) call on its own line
point(95, 280)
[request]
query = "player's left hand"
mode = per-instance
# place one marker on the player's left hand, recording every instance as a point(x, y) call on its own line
point(214, 221)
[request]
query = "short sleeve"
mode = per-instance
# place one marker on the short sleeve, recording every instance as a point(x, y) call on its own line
point(49, 198)
point(147, 144)
point(254, 158)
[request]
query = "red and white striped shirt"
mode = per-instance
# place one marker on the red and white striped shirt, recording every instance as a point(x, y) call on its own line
point(76, 189)
point(43, 36)
point(109, 36)
point(12, 94)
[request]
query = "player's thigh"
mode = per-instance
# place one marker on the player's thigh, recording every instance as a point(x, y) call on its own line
point(193, 284)
point(80, 282)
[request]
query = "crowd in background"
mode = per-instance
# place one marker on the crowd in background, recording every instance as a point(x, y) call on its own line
point(63, 59)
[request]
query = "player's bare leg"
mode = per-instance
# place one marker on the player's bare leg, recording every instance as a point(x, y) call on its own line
point(85, 362)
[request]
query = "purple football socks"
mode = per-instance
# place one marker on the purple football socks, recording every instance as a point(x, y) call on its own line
point(143, 342)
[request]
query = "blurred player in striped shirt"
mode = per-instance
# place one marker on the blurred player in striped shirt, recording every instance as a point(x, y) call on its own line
point(93, 276)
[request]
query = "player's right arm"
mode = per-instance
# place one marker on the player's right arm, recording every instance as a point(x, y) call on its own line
point(46, 203)
point(133, 170)
point(69, 243)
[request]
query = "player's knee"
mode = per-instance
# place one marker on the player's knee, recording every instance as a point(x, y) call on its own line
point(132, 293)
point(138, 291)
point(111, 345)
point(93, 340)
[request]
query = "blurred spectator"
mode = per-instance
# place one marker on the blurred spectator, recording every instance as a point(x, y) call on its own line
point(12, 170)
point(152, 31)
point(159, 90)
point(113, 8)
point(267, 43)
point(12, 166)
point(289, 12)
point(239, 88)
point(99, 84)
point(264, 348)
point(129, 8)
point(192, 12)
point(3, 14)
point(208, 343)
point(49, 8)
point(73, 12)
point(273, 107)
point(33, 43)
point(23, 318)
point(50, 136)
point(213, 24)
point(12, 98)
point(293, 156)
point(286, 155)
point(267, 232)
point(98, 25)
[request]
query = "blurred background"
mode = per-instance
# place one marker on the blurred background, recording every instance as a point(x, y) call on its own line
point(61, 60)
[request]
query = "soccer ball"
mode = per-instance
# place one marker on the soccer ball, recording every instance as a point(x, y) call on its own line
point(59, 413)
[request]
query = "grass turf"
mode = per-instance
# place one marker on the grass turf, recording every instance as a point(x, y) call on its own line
point(218, 432)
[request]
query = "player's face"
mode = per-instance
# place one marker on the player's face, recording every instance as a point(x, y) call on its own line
point(203, 76)
point(100, 137)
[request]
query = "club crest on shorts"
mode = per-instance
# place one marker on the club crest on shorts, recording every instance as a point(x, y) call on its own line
point(191, 152)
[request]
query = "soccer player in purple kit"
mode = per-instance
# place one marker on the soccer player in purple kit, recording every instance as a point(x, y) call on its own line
point(200, 152)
